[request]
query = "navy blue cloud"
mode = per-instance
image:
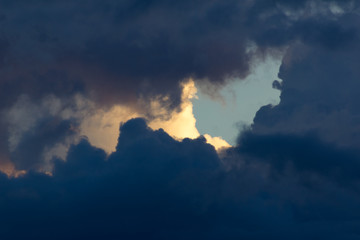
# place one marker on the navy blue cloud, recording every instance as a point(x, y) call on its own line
point(155, 187)
point(293, 176)
point(306, 154)
point(115, 52)
point(144, 48)
point(28, 152)
point(319, 92)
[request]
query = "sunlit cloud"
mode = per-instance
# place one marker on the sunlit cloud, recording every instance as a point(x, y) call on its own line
point(102, 128)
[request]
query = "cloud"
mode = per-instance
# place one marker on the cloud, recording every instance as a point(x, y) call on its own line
point(137, 53)
point(306, 154)
point(117, 52)
point(157, 187)
point(318, 93)
point(293, 175)
point(84, 162)
point(37, 128)
point(102, 127)
point(39, 131)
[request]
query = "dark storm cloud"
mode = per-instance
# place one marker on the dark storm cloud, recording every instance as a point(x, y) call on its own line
point(293, 176)
point(306, 154)
point(28, 154)
point(125, 49)
point(319, 92)
point(133, 51)
point(121, 50)
point(155, 187)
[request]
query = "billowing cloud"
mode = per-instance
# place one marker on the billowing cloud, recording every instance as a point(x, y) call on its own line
point(319, 93)
point(156, 187)
point(137, 53)
point(117, 52)
point(102, 127)
point(36, 128)
point(40, 131)
point(71, 68)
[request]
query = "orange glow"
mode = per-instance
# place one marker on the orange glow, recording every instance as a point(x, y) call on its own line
point(8, 168)
point(102, 128)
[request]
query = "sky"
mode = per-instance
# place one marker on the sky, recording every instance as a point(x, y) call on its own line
point(234, 107)
point(161, 119)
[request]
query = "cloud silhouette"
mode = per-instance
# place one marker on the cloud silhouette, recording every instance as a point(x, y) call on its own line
point(156, 187)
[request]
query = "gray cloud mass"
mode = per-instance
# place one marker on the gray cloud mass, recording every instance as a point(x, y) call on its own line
point(293, 175)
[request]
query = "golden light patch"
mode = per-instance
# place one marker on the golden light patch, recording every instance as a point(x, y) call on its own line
point(217, 142)
point(102, 128)
point(181, 124)
point(8, 168)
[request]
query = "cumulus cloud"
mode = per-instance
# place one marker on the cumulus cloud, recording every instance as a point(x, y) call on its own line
point(39, 131)
point(156, 187)
point(137, 53)
point(120, 51)
point(102, 127)
point(293, 175)
point(318, 93)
